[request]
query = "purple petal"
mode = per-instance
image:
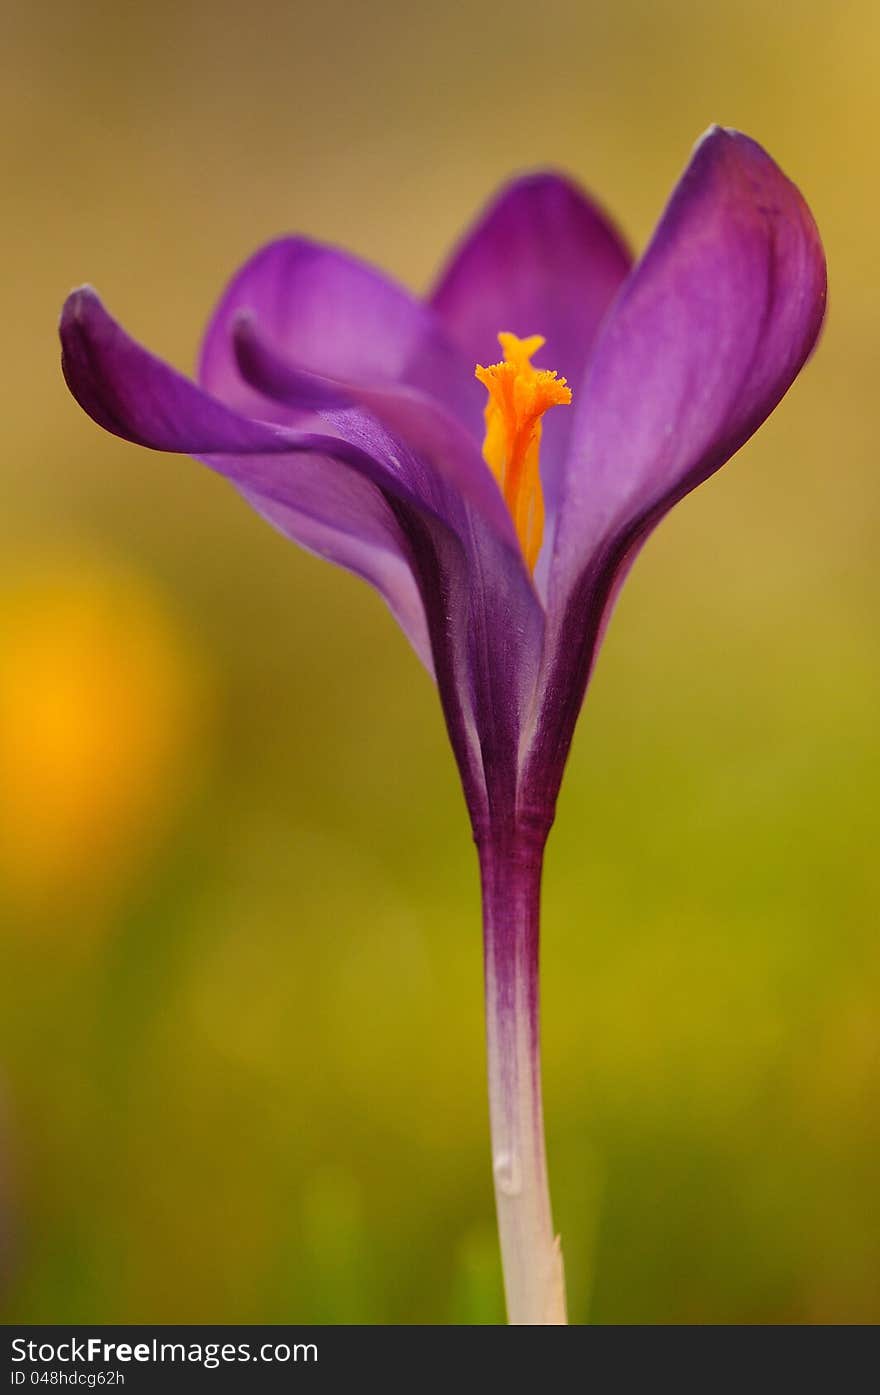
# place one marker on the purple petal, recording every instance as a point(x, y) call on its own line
point(478, 606)
point(429, 435)
point(710, 332)
point(138, 396)
point(323, 504)
point(488, 621)
point(332, 314)
point(544, 260)
point(714, 325)
point(130, 392)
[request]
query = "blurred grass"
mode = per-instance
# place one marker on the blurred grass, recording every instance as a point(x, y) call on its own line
point(242, 1056)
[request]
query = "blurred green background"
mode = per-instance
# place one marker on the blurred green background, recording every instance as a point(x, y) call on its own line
point(240, 988)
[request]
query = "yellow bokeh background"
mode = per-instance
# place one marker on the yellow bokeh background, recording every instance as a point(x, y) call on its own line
point(98, 699)
point(241, 1055)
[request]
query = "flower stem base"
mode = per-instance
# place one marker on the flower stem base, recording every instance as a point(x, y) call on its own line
point(531, 1257)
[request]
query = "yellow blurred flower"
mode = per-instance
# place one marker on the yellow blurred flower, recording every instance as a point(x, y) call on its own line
point(101, 705)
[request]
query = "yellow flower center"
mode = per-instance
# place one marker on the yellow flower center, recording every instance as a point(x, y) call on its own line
point(519, 395)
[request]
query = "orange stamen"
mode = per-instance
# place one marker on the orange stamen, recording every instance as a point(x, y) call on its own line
point(519, 395)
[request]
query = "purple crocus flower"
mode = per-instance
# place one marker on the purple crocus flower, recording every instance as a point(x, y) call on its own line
point(350, 414)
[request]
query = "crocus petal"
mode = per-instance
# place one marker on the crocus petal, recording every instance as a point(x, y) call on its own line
point(480, 610)
point(432, 436)
point(138, 396)
point(543, 259)
point(493, 608)
point(130, 392)
point(324, 505)
point(332, 314)
point(711, 330)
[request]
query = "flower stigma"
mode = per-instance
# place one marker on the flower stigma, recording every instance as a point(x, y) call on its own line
point(519, 395)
